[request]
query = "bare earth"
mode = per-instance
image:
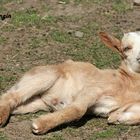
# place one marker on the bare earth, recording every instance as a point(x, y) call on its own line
point(43, 32)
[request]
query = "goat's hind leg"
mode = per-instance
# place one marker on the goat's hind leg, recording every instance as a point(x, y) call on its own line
point(129, 114)
point(34, 82)
point(31, 106)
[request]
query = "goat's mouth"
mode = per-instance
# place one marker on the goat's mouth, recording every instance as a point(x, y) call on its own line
point(138, 60)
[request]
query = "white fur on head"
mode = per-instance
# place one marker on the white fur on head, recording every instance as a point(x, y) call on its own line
point(131, 48)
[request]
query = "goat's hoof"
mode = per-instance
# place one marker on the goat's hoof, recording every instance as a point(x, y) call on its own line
point(43, 124)
point(37, 128)
point(113, 119)
point(4, 114)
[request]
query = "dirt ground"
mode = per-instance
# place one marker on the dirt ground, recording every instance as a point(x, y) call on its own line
point(42, 32)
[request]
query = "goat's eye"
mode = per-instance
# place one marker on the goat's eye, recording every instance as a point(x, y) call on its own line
point(126, 48)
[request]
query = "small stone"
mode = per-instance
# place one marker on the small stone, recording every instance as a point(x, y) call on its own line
point(62, 2)
point(137, 2)
point(79, 34)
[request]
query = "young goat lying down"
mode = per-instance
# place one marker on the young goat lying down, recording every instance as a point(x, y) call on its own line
point(73, 88)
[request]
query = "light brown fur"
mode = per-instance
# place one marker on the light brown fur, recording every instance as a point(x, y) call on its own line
point(73, 88)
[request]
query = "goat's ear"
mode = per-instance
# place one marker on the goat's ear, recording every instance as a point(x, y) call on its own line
point(111, 41)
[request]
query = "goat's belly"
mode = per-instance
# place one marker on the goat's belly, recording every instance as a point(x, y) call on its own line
point(104, 106)
point(57, 102)
point(61, 94)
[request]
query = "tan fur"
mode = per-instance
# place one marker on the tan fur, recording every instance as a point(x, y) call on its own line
point(73, 88)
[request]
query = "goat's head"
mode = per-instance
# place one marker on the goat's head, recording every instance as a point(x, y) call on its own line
point(128, 48)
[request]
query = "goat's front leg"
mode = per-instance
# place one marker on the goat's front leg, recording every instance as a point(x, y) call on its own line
point(32, 83)
point(128, 114)
point(46, 122)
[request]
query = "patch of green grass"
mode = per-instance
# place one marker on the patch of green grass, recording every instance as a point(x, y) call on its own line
point(99, 1)
point(2, 40)
point(30, 116)
point(60, 36)
point(104, 134)
point(5, 80)
point(3, 136)
point(56, 137)
point(70, 18)
point(8, 28)
point(45, 8)
point(84, 49)
point(121, 6)
point(2, 10)
point(90, 29)
point(103, 56)
point(27, 17)
point(50, 20)
point(89, 1)
point(36, 42)
point(8, 1)
point(110, 132)
point(96, 53)
point(72, 131)
point(5, 1)
point(69, 37)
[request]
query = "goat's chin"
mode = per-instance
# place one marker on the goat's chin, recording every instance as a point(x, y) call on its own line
point(132, 67)
point(137, 70)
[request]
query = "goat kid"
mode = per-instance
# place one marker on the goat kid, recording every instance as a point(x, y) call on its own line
point(73, 88)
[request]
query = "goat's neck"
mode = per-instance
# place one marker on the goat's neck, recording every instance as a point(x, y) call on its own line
point(127, 74)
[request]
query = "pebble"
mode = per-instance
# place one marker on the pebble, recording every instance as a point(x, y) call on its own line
point(79, 34)
point(62, 2)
